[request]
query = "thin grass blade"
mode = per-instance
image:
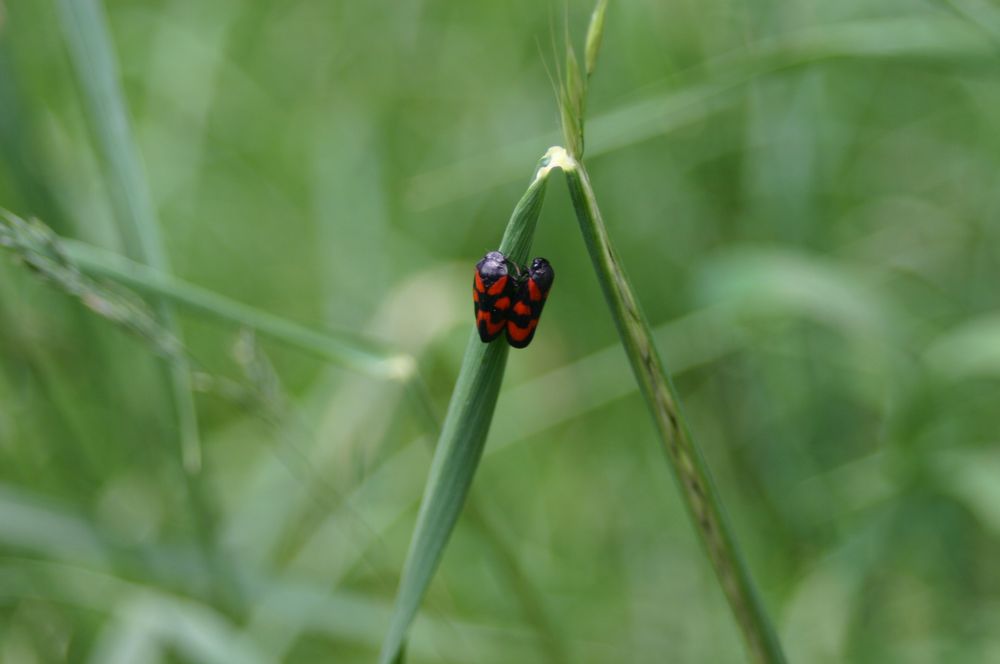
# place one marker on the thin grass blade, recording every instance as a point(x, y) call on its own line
point(463, 436)
point(700, 495)
point(96, 67)
point(573, 92)
point(340, 350)
point(693, 477)
point(67, 262)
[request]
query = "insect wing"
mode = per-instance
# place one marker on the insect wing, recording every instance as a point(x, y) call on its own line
point(491, 287)
point(529, 298)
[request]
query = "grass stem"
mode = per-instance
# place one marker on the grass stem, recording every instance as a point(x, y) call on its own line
point(463, 436)
point(93, 57)
point(338, 350)
point(693, 477)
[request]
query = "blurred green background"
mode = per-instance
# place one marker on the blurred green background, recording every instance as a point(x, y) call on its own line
point(803, 193)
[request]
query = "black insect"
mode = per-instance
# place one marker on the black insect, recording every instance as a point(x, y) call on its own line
point(491, 295)
point(530, 294)
point(511, 302)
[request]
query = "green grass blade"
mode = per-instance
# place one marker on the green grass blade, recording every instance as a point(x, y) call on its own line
point(463, 436)
point(93, 58)
point(64, 262)
point(573, 93)
point(96, 67)
point(695, 481)
point(595, 34)
point(338, 350)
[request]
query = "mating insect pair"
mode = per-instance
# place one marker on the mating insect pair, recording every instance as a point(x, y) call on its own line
point(510, 301)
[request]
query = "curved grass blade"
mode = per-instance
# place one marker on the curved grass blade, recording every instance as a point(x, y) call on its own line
point(463, 436)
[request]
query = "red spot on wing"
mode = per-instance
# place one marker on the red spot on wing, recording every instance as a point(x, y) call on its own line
point(479, 282)
point(475, 295)
point(534, 292)
point(521, 309)
point(498, 287)
point(516, 333)
point(493, 328)
point(503, 303)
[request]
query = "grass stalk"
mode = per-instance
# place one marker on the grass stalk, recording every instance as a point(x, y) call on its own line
point(463, 436)
point(690, 469)
point(339, 350)
point(527, 595)
point(96, 67)
point(693, 477)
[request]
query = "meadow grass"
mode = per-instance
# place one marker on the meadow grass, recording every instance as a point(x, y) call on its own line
point(803, 195)
point(474, 400)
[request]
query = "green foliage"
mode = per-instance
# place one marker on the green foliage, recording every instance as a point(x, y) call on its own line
point(803, 194)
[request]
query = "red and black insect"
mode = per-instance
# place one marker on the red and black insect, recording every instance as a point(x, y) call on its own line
point(511, 302)
point(491, 291)
point(529, 297)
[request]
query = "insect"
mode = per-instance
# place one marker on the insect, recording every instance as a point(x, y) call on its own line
point(510, 301)
point(491, 290)
point(529, 297)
